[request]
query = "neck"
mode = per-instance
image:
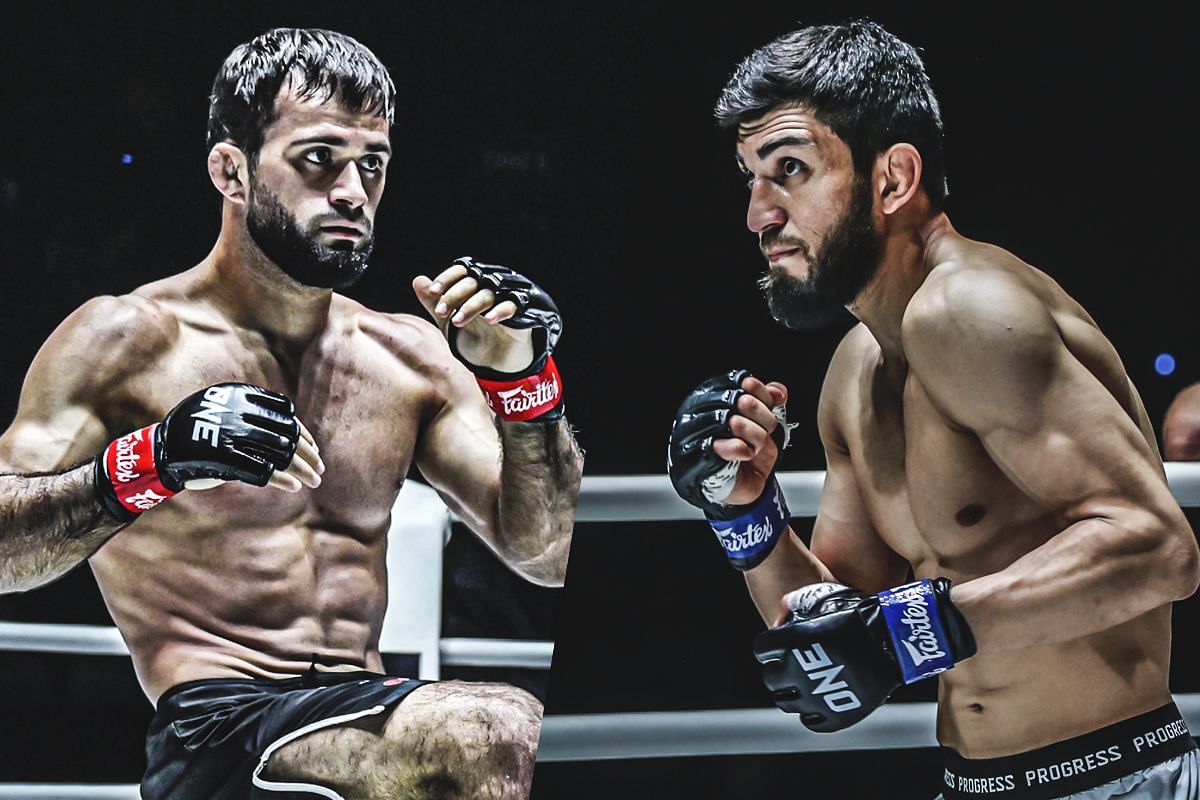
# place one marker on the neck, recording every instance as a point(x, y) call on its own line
point(902, 269)
point(257, 295)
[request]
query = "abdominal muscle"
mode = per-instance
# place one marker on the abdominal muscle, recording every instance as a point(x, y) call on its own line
point(1000, 704)
point(209, 600)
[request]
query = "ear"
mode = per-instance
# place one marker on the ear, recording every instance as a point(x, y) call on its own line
point(229, 171)
point(898, 171)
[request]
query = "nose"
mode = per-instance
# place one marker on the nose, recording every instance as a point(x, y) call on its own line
point(763, 212)
point(348, 190)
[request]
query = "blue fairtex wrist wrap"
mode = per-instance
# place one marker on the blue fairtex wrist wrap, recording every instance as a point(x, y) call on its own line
point(749, 539)
point(921, 644)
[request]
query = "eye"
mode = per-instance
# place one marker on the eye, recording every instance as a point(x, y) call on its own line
point(790, 167)
point(318, 155)
point(371, 163)
point(748, 179)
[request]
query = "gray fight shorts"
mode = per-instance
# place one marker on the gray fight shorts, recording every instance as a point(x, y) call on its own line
point(1148, 757)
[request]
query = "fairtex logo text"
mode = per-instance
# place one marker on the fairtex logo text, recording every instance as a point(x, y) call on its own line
point(126, 457)
point(752, 536)
point(922, 641)
point(518, 400)
point(146, 500)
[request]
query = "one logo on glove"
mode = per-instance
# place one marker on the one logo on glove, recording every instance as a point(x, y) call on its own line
point(208, 418)
point(820, 669)
point(916, 630)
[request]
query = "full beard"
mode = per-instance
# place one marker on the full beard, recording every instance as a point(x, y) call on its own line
point(846, 263)
point(299, 253)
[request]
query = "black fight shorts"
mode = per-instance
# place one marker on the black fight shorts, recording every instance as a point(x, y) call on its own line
point(210, 739)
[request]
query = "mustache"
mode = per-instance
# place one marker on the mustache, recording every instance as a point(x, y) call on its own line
point(773, 239)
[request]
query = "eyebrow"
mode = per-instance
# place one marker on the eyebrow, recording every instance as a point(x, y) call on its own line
point(771, 147)
point(338, 141)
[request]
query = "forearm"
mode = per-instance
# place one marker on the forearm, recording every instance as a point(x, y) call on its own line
point(540, 470)
point(1096, 574)
point(789, 566)
point(49, 523)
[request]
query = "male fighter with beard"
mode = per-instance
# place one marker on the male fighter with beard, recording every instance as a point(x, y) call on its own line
point(985, 449)
point(253, 618)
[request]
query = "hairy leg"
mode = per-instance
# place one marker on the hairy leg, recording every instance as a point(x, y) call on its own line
point(446, 740)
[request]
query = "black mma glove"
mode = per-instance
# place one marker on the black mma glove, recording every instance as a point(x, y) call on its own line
point(536, 391)
point(843, 652)
point(747, 532)
point(227, 432)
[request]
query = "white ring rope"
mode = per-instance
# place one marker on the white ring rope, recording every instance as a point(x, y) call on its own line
point(497, 653)
point(650, 498)
point(105, 640)
point(47, 791)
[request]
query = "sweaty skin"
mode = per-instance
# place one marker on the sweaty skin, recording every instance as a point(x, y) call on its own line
point(978, 426)
point(240, 581)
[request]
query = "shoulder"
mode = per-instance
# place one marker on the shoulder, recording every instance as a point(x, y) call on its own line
point(82, 366)
point(411, 340)
point(112, 331)
point(983, 344)
point(968, 311)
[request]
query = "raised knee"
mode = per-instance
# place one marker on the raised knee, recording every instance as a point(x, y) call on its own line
point(481, 737)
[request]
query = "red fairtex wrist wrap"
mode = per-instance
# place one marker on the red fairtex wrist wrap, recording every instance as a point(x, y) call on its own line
point(527, 398)
point(129, 464)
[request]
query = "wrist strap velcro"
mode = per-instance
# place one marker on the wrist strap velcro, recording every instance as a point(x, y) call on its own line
point(130, 469)
point(749, 538)
point(921, 644)
point(523, 399)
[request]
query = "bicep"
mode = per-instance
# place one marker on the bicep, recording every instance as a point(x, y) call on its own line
point(58, 420)
point(458, 450)
point(55, 425)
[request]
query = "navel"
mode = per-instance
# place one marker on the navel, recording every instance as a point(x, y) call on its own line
point(970, 515)
point(976, 708)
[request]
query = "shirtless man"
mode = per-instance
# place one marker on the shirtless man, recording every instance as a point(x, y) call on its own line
point(253, 615)
point(982, 438)
point(1181, 426)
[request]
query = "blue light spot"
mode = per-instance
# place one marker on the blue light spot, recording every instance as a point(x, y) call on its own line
point(126, 158)
point(1164, 364)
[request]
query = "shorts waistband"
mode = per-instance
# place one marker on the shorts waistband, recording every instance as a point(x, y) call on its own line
point(309, 680)
point(1075, 765)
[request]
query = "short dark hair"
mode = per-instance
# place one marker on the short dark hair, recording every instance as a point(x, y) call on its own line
point(319, 62)
point(868, 86)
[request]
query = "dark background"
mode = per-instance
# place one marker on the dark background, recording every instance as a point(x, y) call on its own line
point(576, 144)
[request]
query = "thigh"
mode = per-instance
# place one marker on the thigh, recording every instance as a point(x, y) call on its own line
point(445, 740)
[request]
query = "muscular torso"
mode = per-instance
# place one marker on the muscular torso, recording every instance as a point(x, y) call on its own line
point(941, 503)
point(241, 581)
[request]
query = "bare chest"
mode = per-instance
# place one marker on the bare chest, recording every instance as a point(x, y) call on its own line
point(932, 491)
point(362, 407)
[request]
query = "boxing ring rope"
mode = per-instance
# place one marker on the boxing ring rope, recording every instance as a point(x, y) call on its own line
point(105, 640)
point(583, 737)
